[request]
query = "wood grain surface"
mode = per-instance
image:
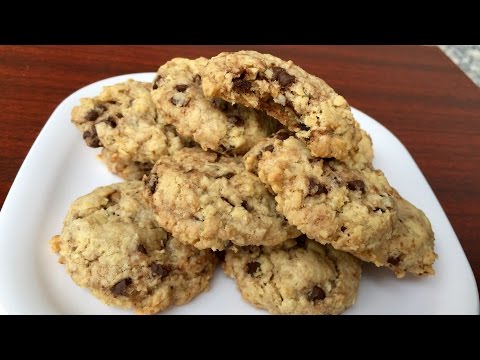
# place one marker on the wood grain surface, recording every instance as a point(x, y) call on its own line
point(415, 91)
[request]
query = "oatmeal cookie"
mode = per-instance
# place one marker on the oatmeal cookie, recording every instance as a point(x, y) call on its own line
point(211, 201)
point(112, 245)
point(298, 277)
point(350, 209)
point(123, 120)
point(213, 123)
point(353, 209)
point(302, 102)
point(411, 247)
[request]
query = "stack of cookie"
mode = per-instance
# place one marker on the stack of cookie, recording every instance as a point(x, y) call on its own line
point(246, 157)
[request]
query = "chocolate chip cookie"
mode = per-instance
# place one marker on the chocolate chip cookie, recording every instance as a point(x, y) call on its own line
point(112, 245)
point(211, 201)
point(298, 277)
point(411, 247)
point(123, 120)
point(213, 123)
point(302, 102)
point(126, 169)
point(330, 202)
point(364, 156)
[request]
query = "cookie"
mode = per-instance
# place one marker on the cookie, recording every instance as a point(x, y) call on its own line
point(364, 156)
point(297, 277)
point(411, 247)
point(330, 202)
point(302, 102)
point(210, 201)
point(112, 245)
point(123, 120)
point(213, 123)
point(124, 168)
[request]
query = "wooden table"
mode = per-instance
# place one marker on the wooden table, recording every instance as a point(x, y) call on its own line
point(415, 91)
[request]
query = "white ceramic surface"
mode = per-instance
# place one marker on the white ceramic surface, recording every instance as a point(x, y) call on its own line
point(59, 168)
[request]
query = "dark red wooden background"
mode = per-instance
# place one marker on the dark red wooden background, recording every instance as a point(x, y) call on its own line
point(415, 91)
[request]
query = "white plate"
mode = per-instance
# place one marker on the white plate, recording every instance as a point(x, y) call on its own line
point(59, 168)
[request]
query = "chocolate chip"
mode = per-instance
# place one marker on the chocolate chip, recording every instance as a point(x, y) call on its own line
point(181, 87)
point(269, 148)
point(113, 102)
point(92, 115)
point(260, 76)
point(110, 121)
point(235, 120)
point(159, 270)
point(222, 148)
point(155, 82)
point(282, 135)
point(317, 293)
point(197, 79)
point(227, 201)
point(312, 187)
point(152, 183)
point(315, 188)
point(252, 267)
point(120, 288)
point(302, 241)
point(241, 85)
point(119, 115)
point(276, 70)
point(283, 77)
point(145, 167)
point(356, 185)
point(91, 138)
point(303, 127)
point(220, 255)
point(141, 249)
point(246, 206)
point(113, 198)
point(343, 228)
point(220, 104)
point(171, 128)
point(228, 175)
point(394, 260)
